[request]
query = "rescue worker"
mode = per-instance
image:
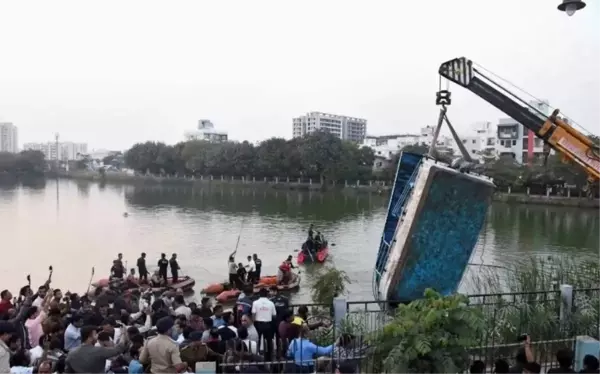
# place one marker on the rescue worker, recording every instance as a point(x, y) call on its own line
point(163, 264)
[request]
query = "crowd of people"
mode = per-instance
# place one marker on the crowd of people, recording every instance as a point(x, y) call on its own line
point(44, 331)
point(524, 362)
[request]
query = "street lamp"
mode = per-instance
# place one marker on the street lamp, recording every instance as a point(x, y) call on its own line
point(571, 6)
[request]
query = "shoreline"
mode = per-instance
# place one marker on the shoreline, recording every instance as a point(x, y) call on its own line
point(283, 183)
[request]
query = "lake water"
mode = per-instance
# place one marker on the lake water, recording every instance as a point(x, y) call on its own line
point(76, 225)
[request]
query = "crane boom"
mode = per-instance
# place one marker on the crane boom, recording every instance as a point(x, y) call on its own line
point(555, 132)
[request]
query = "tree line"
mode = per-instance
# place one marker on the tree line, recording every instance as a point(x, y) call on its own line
point(320, 156)
point(24, 162)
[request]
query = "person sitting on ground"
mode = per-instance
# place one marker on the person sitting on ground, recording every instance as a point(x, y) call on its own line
point(590, 364)
point(564, 357)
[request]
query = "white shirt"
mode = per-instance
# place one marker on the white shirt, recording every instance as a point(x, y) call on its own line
point(36, 353)
point(4, 358)
point(21, 370)
point(263, 310)
point(251, 266)
point(252, 346)
point(38, 302)
point(183, 310)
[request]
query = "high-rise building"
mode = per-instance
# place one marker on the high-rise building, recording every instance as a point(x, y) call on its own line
point(64, 151)
point(206, 131)
point(345, 128)
point(9, 137)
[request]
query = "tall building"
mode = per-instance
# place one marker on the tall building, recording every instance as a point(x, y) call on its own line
point(345, 128)
point(65, 151)
point(206, 131)
point(9, 137)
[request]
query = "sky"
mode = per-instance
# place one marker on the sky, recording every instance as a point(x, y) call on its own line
point(113, 73)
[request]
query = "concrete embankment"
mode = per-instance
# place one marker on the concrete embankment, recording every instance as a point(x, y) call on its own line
point(579, 202)
point(201, 182)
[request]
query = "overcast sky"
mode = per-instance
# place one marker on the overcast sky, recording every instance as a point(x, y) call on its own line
point(112, 73)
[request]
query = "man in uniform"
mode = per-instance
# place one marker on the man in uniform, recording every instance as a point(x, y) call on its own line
point(142, 270)
point(163, 264)
point(162, 352)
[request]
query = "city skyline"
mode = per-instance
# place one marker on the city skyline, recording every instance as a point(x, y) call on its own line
point(136, 82)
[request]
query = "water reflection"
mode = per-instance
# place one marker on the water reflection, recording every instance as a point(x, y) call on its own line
point(323, 207)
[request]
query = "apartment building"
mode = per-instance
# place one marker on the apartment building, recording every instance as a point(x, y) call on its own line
point(63, 151)
point(344, 127)
point(9, 137)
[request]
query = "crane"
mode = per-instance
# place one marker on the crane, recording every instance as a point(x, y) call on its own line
point(553, 130)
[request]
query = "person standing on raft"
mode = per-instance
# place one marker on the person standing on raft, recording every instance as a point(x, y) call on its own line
point(142, 270)
point(285, 271)
point(174, 267)
point(163, 264)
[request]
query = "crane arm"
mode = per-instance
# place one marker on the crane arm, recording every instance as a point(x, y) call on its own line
point(555, 132)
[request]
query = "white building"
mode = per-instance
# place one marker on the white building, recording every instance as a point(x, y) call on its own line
point(67, 151)
point(9, 137)
point(479, 141)
point(206, 131)
point(345, 128)
point(513, 138)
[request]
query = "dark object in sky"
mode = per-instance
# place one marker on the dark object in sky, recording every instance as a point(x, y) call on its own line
point(571, 6)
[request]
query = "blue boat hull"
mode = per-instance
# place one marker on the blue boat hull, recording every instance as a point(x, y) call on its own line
point(439, 215)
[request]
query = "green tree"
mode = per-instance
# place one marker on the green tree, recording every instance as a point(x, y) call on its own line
point(429, 335)
point(25, 162)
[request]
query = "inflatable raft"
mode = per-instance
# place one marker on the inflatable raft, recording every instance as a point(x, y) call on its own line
point(320, 257)
point(434, 218)
point(217, 288)
point(185, 283)
point(229, 295)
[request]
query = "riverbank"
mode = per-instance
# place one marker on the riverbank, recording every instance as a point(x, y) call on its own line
point(577, 202)
point(284, 183)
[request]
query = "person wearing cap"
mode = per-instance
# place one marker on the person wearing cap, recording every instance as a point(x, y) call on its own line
point(162, 352)
point(7, 330)
point(196, 351)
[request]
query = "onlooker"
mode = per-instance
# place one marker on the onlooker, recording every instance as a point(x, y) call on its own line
point(590, 364)
point(532, 367)
point(264, 314)
point(89, 358)
point(249, 324)
point(73, 333)
point(6, 332)
point(501, 366)
point(161, 352)
point(565, 361)
point(477, 366)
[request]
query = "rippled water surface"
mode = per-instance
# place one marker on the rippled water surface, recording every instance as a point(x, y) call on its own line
point(75, 226)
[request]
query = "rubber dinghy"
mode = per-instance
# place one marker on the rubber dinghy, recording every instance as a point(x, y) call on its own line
point(434, 219)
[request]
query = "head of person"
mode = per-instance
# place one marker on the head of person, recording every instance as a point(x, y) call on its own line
point(214, 334)
point(303, 312)
point(590, 364)
point(312, 226)
point(174, 256)
point(564, 357)
point(108, 326)
point(120, 256)
point(179, 300)
point(248, 290)
point(179, 292)
point(205, 302)
point(42, 291)
point(89, 335)
point(231, 259)
point(249, 258)
point(246, 321)
point(77, 320)
point(132, 331)
point(14, 343)
point(240, 265)
point(208, 323)
point(7, 330)
point(20, 358)
point(195, 337)
point(132, 271)
point(274, 291)
point(263, 292)
point(143, 254)
point(477, 366)
point(32, 312)
point(104, 339)
point(501, 366)
point(45, 367)
point(164, 326)
point(25, 291)
point(193, 306)
point(218, 311)
point(289, 259)
point(57, 293)
point(137, 340)
point(6, 295)
point(242, 332)
point(162, 255)
point(229, 318)
point(255, 256)
point(288, 316)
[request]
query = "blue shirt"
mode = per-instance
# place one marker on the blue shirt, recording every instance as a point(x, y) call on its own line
point(72, 337)
point(304, 352)
point(135, 367)
point(217, 322)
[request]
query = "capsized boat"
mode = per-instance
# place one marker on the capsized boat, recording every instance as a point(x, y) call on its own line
point(433, 222)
